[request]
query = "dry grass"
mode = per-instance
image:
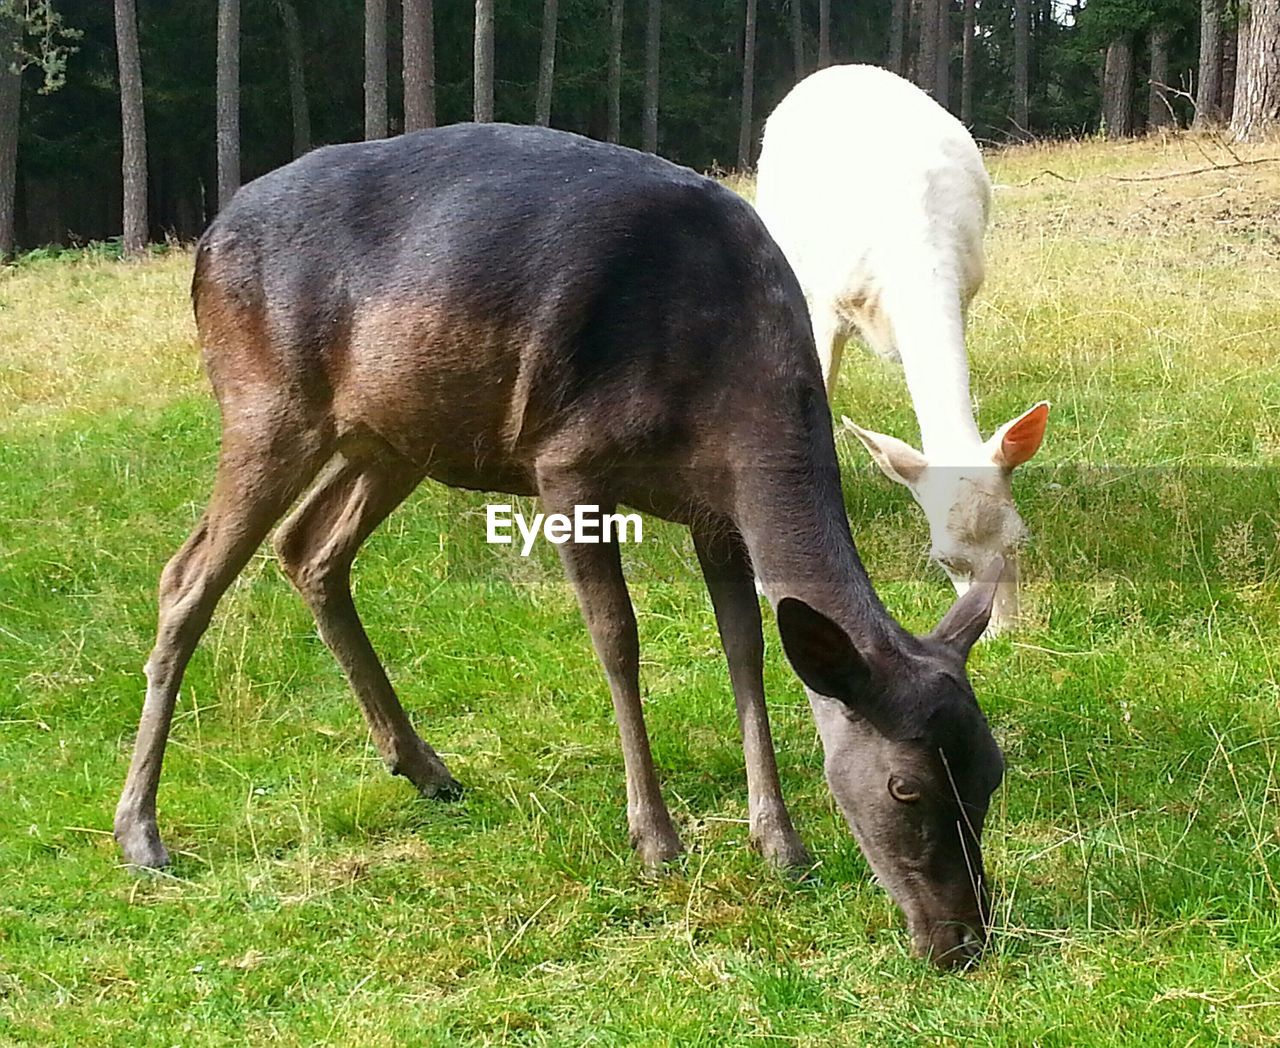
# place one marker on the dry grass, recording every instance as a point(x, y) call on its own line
point(94, 336)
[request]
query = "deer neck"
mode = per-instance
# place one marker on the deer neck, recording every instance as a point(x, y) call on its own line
point(790, 512)
point(930, 340)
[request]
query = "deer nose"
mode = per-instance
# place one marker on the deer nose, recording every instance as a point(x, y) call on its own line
point(954, 944)
point(950, 562)
point(969, 947)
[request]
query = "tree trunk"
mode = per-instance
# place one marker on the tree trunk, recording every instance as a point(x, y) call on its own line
point(1117, 89)
point(942, 92)
point(1227, 88)
point(1243, 15)
point(748, 87)
point(966, 63)
point(482, 74)
point(1257, 109)
point(1022, 65)
point(927, 57)
point(375, 69)
point(616, 12)
point(652, 47)
point(228, 116)
point(797, 38)
point(297, 77)
point(10, 105)
point(897, 35)
point(1158, 112)
point(824, 33)
point(911, 41)
point(419, 64)
point(133, 129)
point(1209, 85)
point(546, 64)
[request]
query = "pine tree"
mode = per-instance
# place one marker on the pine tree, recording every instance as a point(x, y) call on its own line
point(10, 110)
point(748, 86)
point(299, 109)
point(375, 69)
point(546, 64)
point(482, 82)
point(419, 65)
point(1257, 102)
point(228, 113)
point(652, 55)
point(133, 128)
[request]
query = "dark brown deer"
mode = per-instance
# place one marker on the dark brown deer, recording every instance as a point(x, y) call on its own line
point(526, 311)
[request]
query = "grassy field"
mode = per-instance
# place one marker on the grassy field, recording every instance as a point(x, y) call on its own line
point(1135, 844)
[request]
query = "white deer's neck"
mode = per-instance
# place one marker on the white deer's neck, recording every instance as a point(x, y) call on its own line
point(929, 331)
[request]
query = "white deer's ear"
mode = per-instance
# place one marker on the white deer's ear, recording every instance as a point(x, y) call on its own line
point(897, 459)
point(1016, 441)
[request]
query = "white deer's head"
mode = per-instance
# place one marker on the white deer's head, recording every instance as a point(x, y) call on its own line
point(968, 501)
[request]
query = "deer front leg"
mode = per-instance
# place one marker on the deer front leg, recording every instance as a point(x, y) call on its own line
point(596, 574)
point(727, 571)
point(829, 337)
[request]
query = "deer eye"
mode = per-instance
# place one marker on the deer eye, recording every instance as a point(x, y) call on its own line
point(903, 790)
point(953, 564)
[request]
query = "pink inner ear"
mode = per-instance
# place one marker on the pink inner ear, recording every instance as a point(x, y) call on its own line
point(1022, 439)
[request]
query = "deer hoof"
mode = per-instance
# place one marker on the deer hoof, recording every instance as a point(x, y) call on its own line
point(779, 845)
point(450, 790)
point(784, 852)
point(656, 846)
point(143, 850)
point(422, 767)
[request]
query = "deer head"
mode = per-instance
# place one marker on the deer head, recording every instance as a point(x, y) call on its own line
point(910, 760)
point(969, 502)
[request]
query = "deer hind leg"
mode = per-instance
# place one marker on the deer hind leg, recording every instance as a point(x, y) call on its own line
point(829, 335)
point(259, 475)
point(727, 571)
point(596, 574)
point(317, 545)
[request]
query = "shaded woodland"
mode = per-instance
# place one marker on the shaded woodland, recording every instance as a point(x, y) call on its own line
point(135, 118)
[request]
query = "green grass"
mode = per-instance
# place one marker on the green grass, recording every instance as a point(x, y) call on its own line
point(314, 900)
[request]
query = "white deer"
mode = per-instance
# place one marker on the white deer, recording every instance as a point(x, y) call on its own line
point(879, 199)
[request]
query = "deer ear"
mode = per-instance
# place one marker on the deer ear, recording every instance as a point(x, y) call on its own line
point(1016, 441)
point(822, 654)
point(964, 622)
point(897, 459)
